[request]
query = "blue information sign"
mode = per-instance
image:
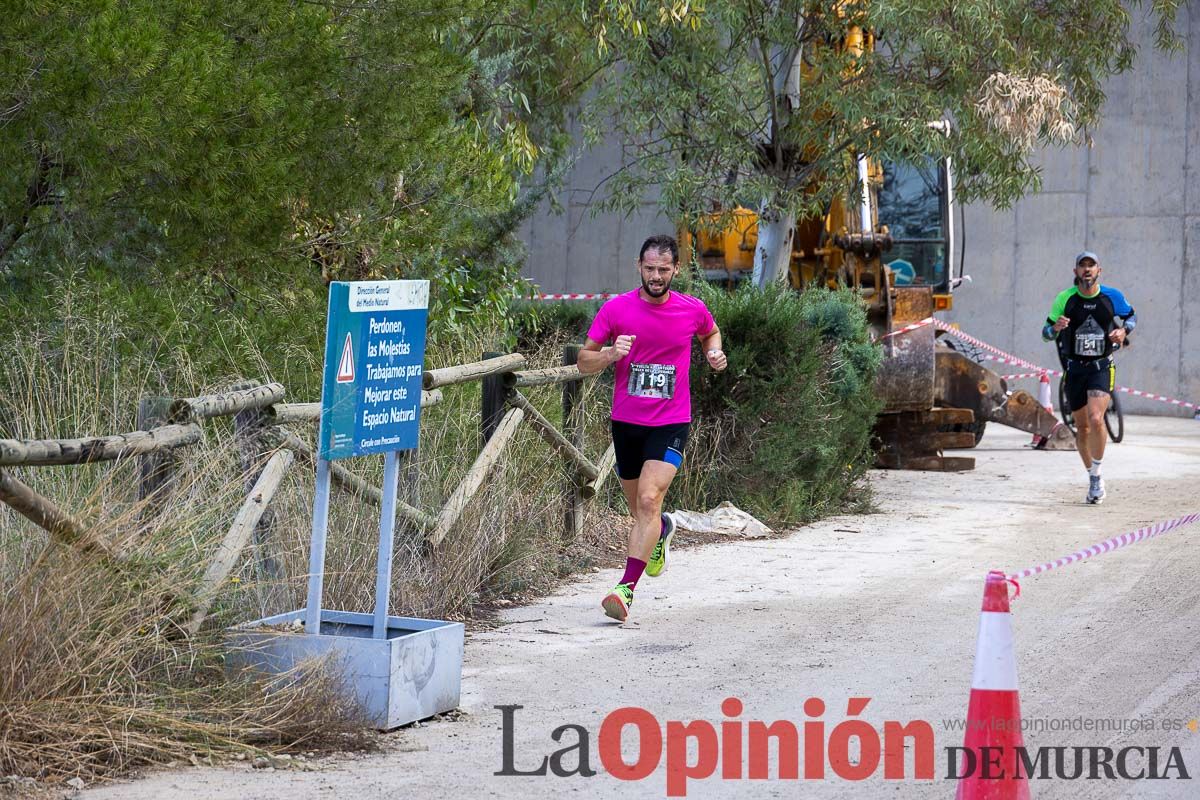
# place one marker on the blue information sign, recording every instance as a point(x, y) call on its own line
point(374, 357)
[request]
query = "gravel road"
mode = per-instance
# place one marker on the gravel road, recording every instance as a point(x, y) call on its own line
point(883, 606)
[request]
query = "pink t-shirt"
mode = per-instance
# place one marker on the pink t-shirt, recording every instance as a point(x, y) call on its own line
point(651, 386)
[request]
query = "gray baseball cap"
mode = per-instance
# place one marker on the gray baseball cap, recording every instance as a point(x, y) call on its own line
point(1087, 254)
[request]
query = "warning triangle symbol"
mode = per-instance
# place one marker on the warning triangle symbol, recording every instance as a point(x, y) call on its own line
point(345, 373)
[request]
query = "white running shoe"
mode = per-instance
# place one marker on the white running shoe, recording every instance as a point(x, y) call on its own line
point(1095, 495)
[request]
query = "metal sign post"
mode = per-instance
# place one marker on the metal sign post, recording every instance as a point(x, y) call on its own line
point(387, 531)
point(316, 556)
point(370, 403)
point(400, 669)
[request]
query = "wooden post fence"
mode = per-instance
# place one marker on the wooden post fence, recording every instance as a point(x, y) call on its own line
point(487, 459)
point(42, 511)
point(491, 402)
point(244, 525)
point(572, 420)
point(259, 416)
point(156, 469)
point(250, 429)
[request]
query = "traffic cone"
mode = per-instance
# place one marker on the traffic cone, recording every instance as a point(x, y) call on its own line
point(994, 711)
point(1045, 402)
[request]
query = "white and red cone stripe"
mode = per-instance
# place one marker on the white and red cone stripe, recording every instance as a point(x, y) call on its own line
point(994, 710)
point(1044, 401)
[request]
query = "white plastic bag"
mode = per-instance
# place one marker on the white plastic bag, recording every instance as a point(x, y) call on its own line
point(726, 518)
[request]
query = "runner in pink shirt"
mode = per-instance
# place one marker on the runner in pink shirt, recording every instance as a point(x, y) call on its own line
point(651, 331)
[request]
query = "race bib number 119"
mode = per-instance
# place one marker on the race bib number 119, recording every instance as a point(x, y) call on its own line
point(652, 380)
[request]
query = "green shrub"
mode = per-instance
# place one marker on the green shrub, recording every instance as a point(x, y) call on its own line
point(533, 322)
point(784, 432)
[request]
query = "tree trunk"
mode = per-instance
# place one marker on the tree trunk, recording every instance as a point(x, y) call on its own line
point(773, 254)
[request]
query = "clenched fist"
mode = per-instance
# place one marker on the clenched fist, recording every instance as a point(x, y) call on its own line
point(621, 348)
point(716, 359)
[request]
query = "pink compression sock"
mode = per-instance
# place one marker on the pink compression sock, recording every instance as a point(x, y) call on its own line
point(633, 571)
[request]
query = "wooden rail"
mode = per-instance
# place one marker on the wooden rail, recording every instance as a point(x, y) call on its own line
point(239, 534)
point(607, 462)
point(226, 404)
point(352, 483)
point(474, 371)
point(289, 413)
point(487, 459)
point(541, 377)
point(42, 511)
point(553, 437)
point(52, 452)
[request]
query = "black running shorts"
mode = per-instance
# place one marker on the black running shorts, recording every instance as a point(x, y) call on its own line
point(637, 444)
point(1081, 379)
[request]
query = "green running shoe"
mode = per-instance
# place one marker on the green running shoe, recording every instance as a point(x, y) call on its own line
point(617, 602)
point(660, 556)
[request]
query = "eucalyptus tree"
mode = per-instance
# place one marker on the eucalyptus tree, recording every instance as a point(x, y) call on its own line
point(770, 104)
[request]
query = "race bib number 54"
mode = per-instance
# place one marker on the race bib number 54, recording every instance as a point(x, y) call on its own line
point(1089, 339)
point(652, 380)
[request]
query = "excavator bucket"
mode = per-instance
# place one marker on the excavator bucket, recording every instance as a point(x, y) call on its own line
point(1023, 412)
point(905, 378)
point(913, 431)
point(937, 399)
point(917, 439)
point(962, 383)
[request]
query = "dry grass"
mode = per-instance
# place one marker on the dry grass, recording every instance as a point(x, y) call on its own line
point(96, 677)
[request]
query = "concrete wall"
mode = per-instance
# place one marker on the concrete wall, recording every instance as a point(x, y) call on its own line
point(577, 251)
point(1128, 198)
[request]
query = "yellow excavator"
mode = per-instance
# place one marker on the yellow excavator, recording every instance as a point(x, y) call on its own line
point(935, 397)
point(894, 247)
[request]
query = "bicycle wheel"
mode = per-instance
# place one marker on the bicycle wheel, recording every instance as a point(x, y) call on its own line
point(1063, 406)
point(1114, 419)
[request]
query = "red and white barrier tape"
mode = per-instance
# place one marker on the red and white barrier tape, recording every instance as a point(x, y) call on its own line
point(1159, 397)
point(907, 328)
point(1020, 362)
point(1107, 546)
point(575, 296)
point(1008, 358)
point(1020, 375)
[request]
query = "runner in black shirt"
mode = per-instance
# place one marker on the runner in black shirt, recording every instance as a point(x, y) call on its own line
point(1089, 321)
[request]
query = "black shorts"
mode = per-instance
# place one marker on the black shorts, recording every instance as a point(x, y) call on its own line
point(637, 444)
point(1081, 379)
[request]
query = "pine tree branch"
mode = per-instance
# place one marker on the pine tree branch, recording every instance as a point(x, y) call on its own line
point(39, 193)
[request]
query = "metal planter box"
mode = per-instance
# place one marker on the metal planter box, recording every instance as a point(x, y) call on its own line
point(414, 673)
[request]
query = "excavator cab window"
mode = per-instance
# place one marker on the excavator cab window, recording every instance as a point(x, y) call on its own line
point(913, 204)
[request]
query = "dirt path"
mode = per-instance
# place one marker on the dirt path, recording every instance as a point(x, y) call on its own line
point(882, 606)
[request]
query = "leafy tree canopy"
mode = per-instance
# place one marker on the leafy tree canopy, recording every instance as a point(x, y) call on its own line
point(764, 103)
point(367, 137)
